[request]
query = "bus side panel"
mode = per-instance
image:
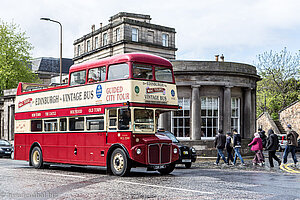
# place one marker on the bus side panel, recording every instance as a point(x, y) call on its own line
point(76, 148)
point(20, 147)
point(94, 146)
point(54, 147)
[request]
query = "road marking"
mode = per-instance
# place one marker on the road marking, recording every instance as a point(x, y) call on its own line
point(66, 175)
point(286, 167)
point(165, 187)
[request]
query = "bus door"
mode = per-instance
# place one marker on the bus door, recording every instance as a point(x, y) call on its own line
point(118, 125)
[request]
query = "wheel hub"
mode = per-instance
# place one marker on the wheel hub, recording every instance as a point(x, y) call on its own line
point(118, 162)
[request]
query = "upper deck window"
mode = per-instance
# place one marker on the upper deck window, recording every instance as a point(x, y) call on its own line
point(78, 78)
point(163, 74)
point(142, 71)
point(96, 74)
point(118, 71)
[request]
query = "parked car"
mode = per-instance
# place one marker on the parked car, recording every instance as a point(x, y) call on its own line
point(187, 155)
point(282, 142)
point(6, 149)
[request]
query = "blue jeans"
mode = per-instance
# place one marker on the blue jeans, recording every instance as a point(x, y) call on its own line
point(220, 154)
point(237, 154)
point(292, 149)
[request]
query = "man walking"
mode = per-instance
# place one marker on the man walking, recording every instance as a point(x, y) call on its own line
point(220, 141)
point(229, 147)
point(263, 137)
point(237, 144)
point(292, 143)
point(272, 146)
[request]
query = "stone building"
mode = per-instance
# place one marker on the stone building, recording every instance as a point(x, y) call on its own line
point(46, 69)
point(125, 33)
point(213, 95)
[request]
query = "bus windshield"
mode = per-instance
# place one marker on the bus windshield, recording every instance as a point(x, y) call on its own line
point(143, 120)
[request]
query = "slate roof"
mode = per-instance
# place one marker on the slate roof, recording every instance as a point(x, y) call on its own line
point(45, 64)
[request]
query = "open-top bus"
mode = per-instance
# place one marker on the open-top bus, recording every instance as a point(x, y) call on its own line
point(105, 116)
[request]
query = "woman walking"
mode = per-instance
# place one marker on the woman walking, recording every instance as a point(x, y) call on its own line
point(237, 144)
point(257, 147)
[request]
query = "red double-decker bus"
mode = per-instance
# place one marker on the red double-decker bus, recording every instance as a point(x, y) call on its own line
point(106, 116)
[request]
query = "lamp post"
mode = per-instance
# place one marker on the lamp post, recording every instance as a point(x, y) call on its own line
point(60, 57)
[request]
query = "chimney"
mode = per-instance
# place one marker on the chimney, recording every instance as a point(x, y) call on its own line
point(217, 57)
point(222, 58)
point(100, 25)
point(93, 28)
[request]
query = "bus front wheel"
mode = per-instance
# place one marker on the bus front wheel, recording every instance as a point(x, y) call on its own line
point(36, 158)
point(119, 163)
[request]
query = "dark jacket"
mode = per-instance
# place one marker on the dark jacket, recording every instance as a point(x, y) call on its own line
point(263, 137)
point(237, 140)
point(272, 141)
point(228, 142)
point(220, 141)
point(292, 137)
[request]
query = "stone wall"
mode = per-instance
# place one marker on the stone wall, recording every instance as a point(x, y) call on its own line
point(265, 122)
point(291, 115)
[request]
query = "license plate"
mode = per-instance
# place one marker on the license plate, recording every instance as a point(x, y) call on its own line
point(7, 152)
point(186, 160)
point(159, 166)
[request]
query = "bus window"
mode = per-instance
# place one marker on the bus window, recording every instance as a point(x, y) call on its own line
point(78, 78)
point(112, 119)
point(163, 74)
point(76, 124)
point(124, 119)
point(118, 71)
point(63, 124)
point(96, 74)
point(143, 120)
point(95, 123)
point(50, 125)
point(36, 125)
point(142, 71)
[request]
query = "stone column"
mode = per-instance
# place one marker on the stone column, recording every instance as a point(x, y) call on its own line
point(196, 113)
point(227, 110)
point(247, 114)
point(253, 111)
point(164, 121)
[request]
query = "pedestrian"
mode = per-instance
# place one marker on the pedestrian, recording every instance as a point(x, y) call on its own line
point(229, 147)
point(257, 147)
point(220, 141)
point(262, 135)
point(272, 146)
point(237, 144)
point(292, 143)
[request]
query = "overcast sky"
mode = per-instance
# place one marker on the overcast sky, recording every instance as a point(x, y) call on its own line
point(239, 29)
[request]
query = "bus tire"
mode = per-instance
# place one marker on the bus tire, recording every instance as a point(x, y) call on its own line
point(119, 163)
point(36, 158)
point(169, 168)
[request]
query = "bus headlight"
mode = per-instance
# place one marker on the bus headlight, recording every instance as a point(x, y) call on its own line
point(138, 151)
point(175, 150)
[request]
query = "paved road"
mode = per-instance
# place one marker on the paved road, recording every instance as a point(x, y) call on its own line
point(202, 181)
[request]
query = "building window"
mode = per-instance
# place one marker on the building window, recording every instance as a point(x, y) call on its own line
point(88, 45)
point(235, 114)
point(165, 40)
point(180, 123)
point(135, 34)
point(78, 50)
point(118, 36)
point(96, 42)
point(209, 116)
point(104, 39)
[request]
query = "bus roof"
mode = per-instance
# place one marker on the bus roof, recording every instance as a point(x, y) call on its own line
point(135, 57)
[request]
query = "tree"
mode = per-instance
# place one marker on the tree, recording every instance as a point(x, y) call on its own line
point(14, 57)
point(280, 84)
